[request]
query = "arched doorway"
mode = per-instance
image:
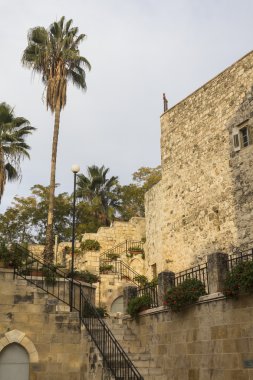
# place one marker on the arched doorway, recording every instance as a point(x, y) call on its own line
point(116, 307)
point(14, 363)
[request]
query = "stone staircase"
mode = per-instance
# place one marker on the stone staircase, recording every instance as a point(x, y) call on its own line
point(138, 354)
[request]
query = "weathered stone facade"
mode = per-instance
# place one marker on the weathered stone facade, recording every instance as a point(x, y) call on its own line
point(204, 200)
point(56, 345)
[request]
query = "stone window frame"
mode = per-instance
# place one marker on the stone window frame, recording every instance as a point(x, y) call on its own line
point(16, 336)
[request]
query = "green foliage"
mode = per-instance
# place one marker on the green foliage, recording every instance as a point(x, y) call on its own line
point(138, 304)
point(13, 148)
point(113, 256)
point(104, 268)
point(90, 311)
point(100, 192)
point(185, 294)
point(136, 249)
point(26, 219)
point(85, 276)
point(90, 245)
point(141, 279)
point(49, 271)
point(239, 280)
point(13, 255)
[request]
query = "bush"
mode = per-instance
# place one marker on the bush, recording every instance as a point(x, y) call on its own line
point(141, 279)
point(90, 311)
point(184, 294)
point(85, 276)
point(90, 245)
point(49, 271)
point(136, 249)
point(138, 304)
point(239, 280)
point(113, 256)
point(104, 268)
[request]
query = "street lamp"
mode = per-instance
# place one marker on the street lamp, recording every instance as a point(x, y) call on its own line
point(75, 169)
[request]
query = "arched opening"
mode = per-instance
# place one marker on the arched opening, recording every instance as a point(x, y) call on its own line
point(117, 305)
point(14, 363)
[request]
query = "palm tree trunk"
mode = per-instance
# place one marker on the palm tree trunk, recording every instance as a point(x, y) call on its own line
point(2, 173)
point(49, 246)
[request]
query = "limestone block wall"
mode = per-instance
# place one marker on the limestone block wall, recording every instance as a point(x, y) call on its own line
point(208, 341)
point(118, 232)
point(204, 200)
point(51, 335)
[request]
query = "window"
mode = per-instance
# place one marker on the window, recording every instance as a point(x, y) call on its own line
point(241, 137)
point(244, 134)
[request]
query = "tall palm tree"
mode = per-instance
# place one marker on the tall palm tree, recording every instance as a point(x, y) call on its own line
point(54, 54)
point(100, 192)
point(13, 148)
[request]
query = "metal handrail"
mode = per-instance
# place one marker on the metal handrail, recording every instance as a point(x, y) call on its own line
point(199, 272)
point(150, 290)
point(113, 354)
point(239, 257)
point(60, 287)
point(123, 270)
point(122, 248)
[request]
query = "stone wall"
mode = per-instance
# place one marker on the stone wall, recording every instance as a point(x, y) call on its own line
point(50, 334)
point(205, 197)
point(209, 341)
point(118, 232)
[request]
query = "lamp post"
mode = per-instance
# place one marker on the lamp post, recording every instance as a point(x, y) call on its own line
point(75, 169)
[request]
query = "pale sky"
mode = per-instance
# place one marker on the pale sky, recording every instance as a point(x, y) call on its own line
point(138, 49)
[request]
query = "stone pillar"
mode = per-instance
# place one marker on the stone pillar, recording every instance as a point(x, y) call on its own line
point(128, 293)
point(166, 281)
point(217, 266)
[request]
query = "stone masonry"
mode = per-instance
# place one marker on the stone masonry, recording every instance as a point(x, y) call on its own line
point(204, 200)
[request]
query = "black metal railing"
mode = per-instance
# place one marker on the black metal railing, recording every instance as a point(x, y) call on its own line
point(55, 282)
point(126, 246)
point(120, 268)
point(239, 257)
point(151, 291)
point(199, 272)
point(114, 356)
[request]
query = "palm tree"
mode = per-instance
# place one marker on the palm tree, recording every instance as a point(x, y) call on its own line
point(13, 148)
point(99, 192)
point(54, 54)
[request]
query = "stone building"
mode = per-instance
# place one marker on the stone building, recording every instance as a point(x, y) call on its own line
point(204, 201)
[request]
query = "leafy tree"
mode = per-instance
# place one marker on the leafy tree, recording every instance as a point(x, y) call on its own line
point(132, 195)
point(13, 131)
point(54, 54)
point(26, 220)
point(100, 193)
point(146, 177)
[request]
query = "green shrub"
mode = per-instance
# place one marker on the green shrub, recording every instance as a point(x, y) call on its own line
point(14, 255)
point(135, 249)
point(105, 268)
point(141, 279)
point(90, 311)
point(185, 294)
point(49, 271)
point(90, 245)
point(85, 276)
point(239, 280)
point(138, 304)
point(113, 256)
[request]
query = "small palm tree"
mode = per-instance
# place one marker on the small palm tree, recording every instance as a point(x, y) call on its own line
point(13, 148)
point(54, 54)
point(100, 192)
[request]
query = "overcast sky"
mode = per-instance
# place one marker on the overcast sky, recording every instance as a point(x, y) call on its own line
point(138, 49)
